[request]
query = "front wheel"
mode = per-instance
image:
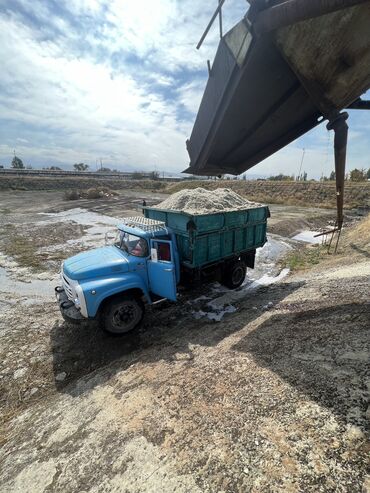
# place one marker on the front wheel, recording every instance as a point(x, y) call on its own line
point(234, 275)
point(122, 315)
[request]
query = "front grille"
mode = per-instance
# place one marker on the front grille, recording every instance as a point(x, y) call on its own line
point(67, 288)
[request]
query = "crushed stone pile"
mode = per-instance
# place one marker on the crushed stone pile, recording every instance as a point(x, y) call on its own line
point(202, 201)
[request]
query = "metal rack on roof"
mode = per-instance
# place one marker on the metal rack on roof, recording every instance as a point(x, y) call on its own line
point(144, 223)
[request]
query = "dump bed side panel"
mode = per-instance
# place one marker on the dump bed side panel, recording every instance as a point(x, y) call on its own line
point(208, 238)
point(214, 247)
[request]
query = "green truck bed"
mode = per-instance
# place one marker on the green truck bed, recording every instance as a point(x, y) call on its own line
point(207, 238)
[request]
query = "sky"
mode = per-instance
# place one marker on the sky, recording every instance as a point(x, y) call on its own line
point(121, 81)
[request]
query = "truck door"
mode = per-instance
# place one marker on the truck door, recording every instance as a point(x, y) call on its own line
point(161, 269)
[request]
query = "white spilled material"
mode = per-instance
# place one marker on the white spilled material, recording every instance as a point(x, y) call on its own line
point(81, 216)
point(265, 273)
point(97, 225)
point(215, 316)
point(232, 296)
point(308, 237)
point(223, 304)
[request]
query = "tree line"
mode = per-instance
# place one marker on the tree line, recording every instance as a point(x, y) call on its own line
point(17, 163)
point(353, 175)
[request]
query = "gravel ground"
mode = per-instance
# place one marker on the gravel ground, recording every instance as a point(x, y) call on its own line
point(274, 398)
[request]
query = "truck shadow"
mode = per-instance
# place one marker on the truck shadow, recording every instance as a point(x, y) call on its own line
point(85, 356)
point(322, 353)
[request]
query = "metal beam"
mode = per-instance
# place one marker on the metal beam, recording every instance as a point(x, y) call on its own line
point(220, 21)
point(359, 104)
point(217, 11)
point(293, 11)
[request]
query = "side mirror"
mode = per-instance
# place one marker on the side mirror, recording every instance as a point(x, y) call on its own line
point(109, 237)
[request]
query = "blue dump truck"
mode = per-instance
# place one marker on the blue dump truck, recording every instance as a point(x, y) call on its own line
point(151, 255)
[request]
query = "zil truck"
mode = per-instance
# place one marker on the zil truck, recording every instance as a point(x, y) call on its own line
point(151, 256)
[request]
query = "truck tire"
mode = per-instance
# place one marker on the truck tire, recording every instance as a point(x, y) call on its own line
point(122, 314)
point(234, 274)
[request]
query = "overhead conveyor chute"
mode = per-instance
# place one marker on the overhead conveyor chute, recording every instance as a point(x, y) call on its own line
point(283, 69)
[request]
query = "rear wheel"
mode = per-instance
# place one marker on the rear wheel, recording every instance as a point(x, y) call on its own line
point(234, 274)
point(122, 315)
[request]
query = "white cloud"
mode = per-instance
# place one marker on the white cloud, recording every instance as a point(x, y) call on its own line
point(83, 7)
point(139, 26)
point(190, 95)
point(99, 112)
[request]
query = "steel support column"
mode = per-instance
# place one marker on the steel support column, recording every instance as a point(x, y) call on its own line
point(340, 127)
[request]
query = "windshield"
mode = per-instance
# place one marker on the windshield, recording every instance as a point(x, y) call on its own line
point(132, 244)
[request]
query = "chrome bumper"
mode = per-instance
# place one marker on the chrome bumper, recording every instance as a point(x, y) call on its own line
point(67, 308)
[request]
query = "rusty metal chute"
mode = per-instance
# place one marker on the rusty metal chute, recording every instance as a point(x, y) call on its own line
point(283, 69)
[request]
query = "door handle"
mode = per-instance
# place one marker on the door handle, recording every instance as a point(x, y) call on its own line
point(168, 270)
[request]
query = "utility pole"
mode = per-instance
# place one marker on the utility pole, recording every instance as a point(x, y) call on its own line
point(300, 168)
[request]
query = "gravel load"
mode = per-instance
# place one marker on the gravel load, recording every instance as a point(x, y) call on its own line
point(202, 201)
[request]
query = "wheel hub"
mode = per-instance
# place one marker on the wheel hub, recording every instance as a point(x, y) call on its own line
point(237, 275)
point(125, 315)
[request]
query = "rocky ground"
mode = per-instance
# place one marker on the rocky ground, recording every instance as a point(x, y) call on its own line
point(272, 398)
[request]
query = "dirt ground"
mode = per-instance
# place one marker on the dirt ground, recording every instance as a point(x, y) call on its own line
point(260, 390)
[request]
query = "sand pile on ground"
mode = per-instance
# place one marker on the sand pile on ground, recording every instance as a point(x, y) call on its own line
point(202, 201)
point(358, 236)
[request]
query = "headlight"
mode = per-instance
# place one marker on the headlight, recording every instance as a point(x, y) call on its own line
point(80, 301)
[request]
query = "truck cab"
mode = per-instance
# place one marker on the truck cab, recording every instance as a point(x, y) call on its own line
point(112, 283)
